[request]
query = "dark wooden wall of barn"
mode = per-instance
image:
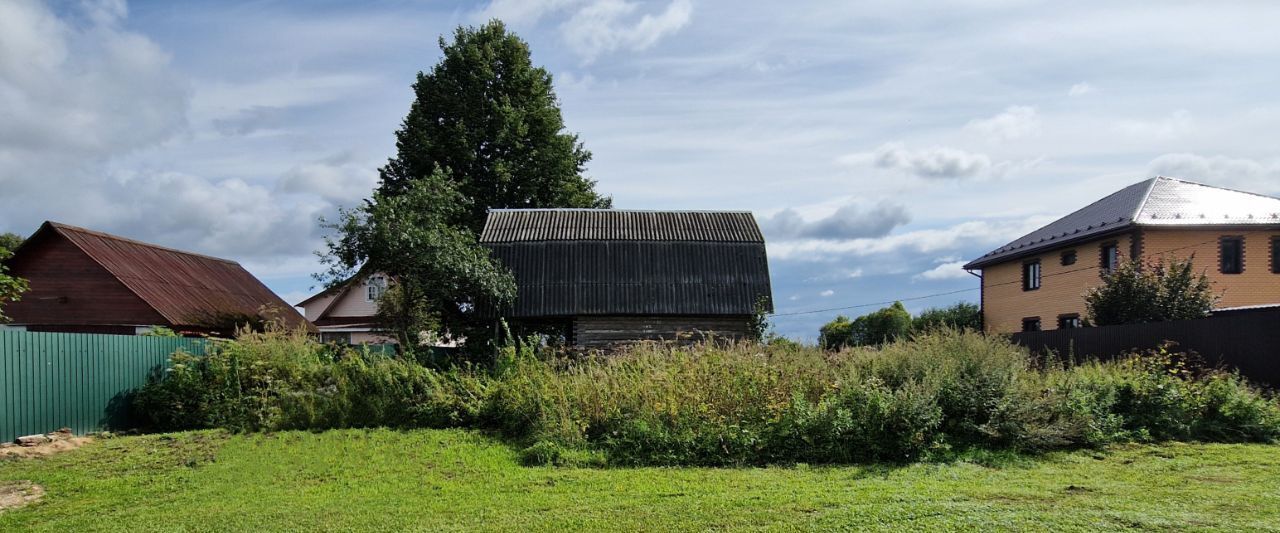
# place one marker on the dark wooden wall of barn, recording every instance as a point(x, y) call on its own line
point(596, 331)
point(573, 278)
point(67, 287)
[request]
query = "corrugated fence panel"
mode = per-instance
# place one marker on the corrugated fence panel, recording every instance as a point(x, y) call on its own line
point(1245, 340)
point(79, 381)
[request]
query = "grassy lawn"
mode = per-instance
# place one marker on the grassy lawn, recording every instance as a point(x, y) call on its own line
point(464, 480)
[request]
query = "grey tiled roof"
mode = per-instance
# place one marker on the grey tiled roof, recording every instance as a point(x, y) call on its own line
point(522, 225)
point(1158, 201)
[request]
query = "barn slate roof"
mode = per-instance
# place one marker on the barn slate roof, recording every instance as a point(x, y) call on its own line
point(1158, 202)
point(183, 287)
point(571, 262)
point(515, 225)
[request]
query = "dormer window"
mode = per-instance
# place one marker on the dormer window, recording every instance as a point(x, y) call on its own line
point(374, 287)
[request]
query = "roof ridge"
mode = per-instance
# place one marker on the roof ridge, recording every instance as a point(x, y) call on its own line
point(1146, 196)
point(78, 229)
point(1181, 180)
point(611, 210)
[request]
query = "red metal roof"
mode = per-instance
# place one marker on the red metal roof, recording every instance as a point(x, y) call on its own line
point(185, 288)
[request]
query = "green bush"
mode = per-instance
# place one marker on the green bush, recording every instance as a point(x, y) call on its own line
point(752, 404)
point(277, 380)
point(716, 404)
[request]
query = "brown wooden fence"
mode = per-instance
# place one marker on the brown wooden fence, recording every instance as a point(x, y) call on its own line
point(1248, 340)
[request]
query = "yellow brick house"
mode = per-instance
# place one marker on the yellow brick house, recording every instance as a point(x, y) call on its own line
point(1038, 281)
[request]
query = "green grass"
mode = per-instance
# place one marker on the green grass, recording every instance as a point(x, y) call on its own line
point(455, 479)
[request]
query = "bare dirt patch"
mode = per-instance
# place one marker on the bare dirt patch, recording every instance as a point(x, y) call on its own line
point(58, 441)
point(15, 494)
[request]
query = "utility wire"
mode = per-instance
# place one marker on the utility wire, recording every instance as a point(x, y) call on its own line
point(935, 295)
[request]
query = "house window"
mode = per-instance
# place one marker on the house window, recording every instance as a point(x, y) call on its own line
point(1110, 257)
point(1275, 255)
point(1068, 257)
point(1031, 275)
point(1031, 324)
point(1071, 321)
point(1231, 255)
point(374, 287)
point(336, 338)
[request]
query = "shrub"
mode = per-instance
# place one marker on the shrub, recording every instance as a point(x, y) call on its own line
point(278, 380)
point(718, 404)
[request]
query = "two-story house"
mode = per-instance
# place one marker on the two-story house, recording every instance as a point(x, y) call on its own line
point(1039, 280)
point(346, 313)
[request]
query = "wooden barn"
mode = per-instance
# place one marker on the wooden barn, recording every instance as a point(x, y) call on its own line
point(84, 281)
point(607, 276)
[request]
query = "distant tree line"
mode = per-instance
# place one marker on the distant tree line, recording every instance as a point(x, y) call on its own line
point(894, 322)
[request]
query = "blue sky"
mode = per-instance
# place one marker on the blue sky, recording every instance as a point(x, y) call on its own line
point(880, 146)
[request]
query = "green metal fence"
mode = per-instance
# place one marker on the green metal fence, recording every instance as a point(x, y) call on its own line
point(55, 380)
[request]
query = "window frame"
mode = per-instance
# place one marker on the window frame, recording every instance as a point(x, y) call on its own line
point(1039, 325)
point(1029, 282)
point(1275, 254)
point(374, 283)
point(1074, 317)
point(1103, 256)
point(1069, 257)
point(1238, 241)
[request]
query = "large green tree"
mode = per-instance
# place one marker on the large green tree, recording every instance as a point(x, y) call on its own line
point(11, 287)
point(442, 281)
point(490, 119)
point(1151, 291)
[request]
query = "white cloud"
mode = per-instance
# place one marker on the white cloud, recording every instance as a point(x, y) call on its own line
point(1080, 89)
point(826, 293)
point(1246, 174)
point(522, 12)
point(938, 162)
point(597, 27)
point(604, 26)
point(1015, 122)
point(84, 103)
point(849, 221)
point(1175, 125)
point(928, 241)
point(949, 270)
point(341, 179)
point(70, 92)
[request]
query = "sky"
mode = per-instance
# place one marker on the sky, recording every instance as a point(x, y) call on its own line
point(880, 145)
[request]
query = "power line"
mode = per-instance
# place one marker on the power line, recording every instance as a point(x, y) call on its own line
point(935, 295)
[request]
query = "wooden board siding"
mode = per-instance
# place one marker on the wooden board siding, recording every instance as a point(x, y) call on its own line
point(354, 302)
point(606, 330)
point(67, 287)
point(1061, 291)
point(566, 278)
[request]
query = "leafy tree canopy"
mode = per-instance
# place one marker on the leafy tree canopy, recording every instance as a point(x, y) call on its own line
point(442, 280)
point(872, 329)
point(836, 334)
point(960, 316)
point(8, 243)
point(11, 287)
point(1152, 291)
point(490, 119)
